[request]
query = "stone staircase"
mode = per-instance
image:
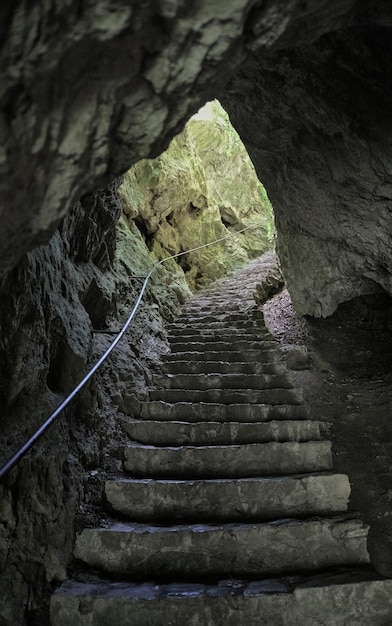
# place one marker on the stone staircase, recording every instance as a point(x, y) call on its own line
point(230, 514)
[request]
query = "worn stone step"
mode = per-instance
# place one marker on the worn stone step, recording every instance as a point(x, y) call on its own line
point(222, 367)
point(229, 396)
point(203, 411)
point(223, 335)
point(229, 284)
point(222, 381)
point(223, 304)
point(213, 305)
point(239, 299)
point(230, 500)
point(224, 549)
point(223, 318)
point(227, 461)
point(190, 335)
point(230, 289)
point(222, 310)
point(217, 291)
point(258, 356)
point(167, 433)
point(228, 302)
point(217, 313)
point(216, 325)
point(222, 346)
point(345, 598)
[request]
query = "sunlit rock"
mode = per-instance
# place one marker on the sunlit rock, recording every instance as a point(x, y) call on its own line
point(202, 189)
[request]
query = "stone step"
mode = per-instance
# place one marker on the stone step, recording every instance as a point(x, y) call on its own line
point(219, 298)
point(230, 291)
point(220, 309)
point(221, 301)
point(167, 433)
point(223, 318)
point(258, 549)
point(230, 284)
point(203, 411)
point(236, 345)
point(211, 310)
point(241, 297)
point(222, 367)
point(343, 599)
point(217, 291)
point(228, 461)
point(229, 396)
point(233, 500)
point(222, 381)
point(251, 356)
point(190, 335)
point(221, 306)
point(194, 323)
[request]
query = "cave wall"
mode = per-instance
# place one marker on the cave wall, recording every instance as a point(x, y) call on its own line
point(324, 112)
point(89, 88)
point(86, 90)
point(80, 282)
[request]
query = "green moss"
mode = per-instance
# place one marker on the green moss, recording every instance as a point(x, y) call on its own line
point(202, 188)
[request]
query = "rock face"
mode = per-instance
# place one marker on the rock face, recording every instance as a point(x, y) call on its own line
point(88, 89)
point(79, 282)
point(201, 189)
point(325, 110)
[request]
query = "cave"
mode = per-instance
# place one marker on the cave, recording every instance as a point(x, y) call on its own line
point(90, 89)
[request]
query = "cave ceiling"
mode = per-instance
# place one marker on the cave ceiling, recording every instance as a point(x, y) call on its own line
point(87, 89)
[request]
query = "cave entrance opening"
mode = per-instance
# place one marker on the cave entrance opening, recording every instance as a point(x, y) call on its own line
point(202, 188)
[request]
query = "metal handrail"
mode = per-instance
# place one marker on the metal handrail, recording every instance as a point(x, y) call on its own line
point(15, 458)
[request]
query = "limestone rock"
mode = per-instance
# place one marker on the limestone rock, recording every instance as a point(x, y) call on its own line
point(271, 284)
point(203, 188)
point(86, 90)
point(78, 282)
point(327, 171)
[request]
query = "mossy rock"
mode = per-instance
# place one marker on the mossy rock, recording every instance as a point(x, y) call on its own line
point(202, 189)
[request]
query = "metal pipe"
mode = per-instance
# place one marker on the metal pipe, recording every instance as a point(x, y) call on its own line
point(42, 429)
